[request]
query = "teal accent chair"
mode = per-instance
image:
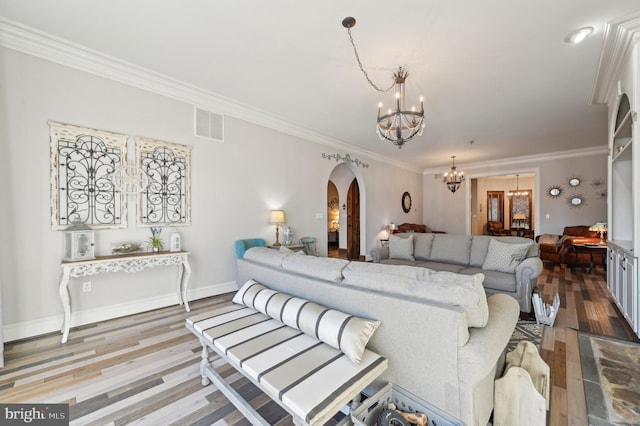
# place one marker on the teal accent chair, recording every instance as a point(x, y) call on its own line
point(244, 245)
point(309, 244)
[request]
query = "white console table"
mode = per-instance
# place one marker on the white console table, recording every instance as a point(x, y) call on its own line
point(127, 263)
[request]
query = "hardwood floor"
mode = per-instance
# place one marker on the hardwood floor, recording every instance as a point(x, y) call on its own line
point(143, 369)
point(585, 306)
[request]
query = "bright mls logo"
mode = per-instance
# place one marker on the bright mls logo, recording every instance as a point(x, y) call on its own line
point(34, 414)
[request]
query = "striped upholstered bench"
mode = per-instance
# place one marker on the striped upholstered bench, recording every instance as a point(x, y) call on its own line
point(297, 352)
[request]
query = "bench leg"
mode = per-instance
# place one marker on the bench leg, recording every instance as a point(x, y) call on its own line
point(203, 363)
point(234, 397)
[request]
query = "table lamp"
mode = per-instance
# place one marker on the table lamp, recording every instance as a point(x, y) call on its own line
point(600, 227)
point(277, 217)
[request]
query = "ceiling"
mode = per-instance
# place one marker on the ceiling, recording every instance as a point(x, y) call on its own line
point(496, 72)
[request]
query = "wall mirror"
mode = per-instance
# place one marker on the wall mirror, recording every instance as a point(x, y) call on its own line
point(554, 191)
point(576, 201)
point(575, 181)
point(495, 206)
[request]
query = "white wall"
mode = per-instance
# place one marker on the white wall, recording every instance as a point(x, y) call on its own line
point(452, 212)
point(233, 187)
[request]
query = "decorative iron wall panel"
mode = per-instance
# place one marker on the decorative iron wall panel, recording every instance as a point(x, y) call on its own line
point(167, 199)
point(82, 161)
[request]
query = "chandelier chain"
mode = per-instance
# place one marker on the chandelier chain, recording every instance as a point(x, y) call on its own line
point(366, 75)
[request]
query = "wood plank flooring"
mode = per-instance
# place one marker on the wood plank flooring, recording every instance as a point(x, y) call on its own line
point(144, 369)
point(585, 306)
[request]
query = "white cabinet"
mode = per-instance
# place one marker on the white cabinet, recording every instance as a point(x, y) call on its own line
point(618, 86)
point(622, 282)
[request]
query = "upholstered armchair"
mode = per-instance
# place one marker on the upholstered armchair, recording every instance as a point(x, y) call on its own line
point(243, 245)
point(558, 248)
point(496, 229)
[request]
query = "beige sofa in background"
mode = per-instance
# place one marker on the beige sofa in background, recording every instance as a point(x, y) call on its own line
point(469, 255)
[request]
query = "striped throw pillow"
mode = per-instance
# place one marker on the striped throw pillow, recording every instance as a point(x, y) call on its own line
point(345, 332)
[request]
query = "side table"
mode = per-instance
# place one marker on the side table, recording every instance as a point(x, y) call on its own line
point(591, 249)
point(127, 263)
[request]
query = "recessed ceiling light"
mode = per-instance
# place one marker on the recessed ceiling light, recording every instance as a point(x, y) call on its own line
point(578, 35)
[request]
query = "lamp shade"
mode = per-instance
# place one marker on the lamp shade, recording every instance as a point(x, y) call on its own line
point(600, 227)
point(277, 216)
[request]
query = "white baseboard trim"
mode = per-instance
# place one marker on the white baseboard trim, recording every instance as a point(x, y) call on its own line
point(40, 326)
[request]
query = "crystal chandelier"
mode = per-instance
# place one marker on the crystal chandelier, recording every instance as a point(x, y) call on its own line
point(453, 179)
point(398, 125)
point(517, 192)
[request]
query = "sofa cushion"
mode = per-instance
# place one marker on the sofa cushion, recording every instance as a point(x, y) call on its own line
point(266, 256)
point(439, 266)
point(422, 244)
point(399, 262)
point(494, 280)
point(451, 249)
point(375, 270)
point(422, 283)
point(342, 331)
point(479, 249)
point(504, 257)
point(325, 268)
point(401, 248)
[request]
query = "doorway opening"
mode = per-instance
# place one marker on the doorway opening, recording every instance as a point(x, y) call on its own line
point(344, 219)
point(504, 205)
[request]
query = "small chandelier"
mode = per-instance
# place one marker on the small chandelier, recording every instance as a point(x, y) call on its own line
point(517, 193)
point(453, 179)
point(398, 125)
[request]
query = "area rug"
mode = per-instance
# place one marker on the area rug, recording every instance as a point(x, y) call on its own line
point(611, 378)
point(526, 330)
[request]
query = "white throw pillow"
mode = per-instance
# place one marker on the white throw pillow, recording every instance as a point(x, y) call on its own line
point(401, 248)
point(342, 331)
point(504, 257)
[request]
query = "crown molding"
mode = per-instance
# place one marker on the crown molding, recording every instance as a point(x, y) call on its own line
point(31, 41)
point(619, 38)
point(505, 162)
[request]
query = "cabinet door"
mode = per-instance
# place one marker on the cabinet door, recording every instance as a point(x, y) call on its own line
point(612, 268)
point(619, 283)
point(630, 292)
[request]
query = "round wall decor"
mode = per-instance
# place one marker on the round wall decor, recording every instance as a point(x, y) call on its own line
point(406, 202)
point(575, 181)
point(576, 200)
point(554, 191)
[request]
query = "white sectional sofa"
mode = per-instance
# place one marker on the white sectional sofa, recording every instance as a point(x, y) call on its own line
point(511, 270)
point(443, 338)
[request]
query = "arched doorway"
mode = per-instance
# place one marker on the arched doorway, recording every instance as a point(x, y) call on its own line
point(353, 221)
point(344, 219)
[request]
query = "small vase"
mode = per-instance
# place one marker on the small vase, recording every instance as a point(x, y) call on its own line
point(155, 249)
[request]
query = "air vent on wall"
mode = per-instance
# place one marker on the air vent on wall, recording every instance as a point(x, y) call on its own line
point(209, 125)
point(437, 176)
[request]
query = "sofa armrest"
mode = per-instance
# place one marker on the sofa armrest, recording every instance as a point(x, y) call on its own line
point(483, 354)
point(528, 270)
point(379, 253)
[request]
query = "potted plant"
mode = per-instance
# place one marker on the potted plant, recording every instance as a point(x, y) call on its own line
point(154, 241)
